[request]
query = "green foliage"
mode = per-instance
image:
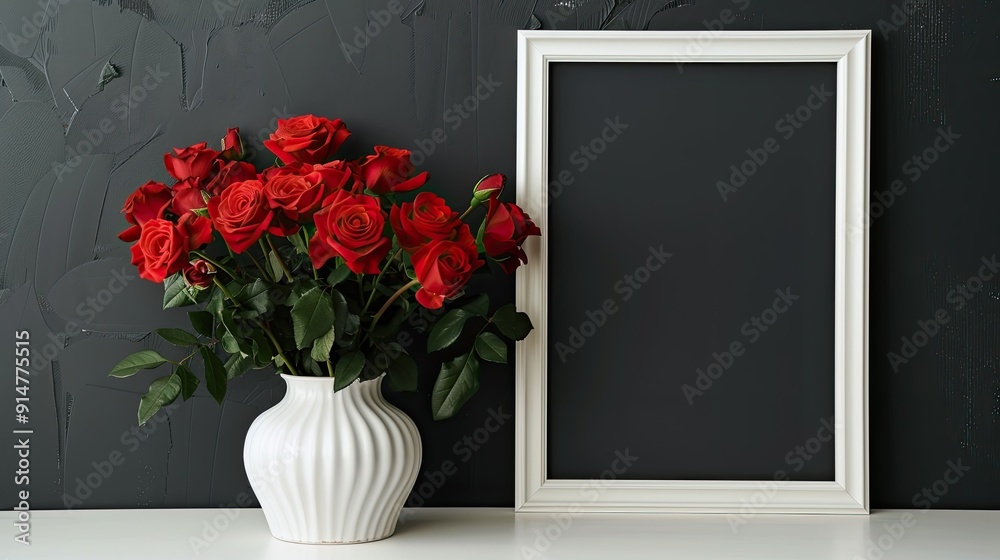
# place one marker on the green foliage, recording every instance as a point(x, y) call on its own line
point(162, 391)
point(144, 359)
point(456, 383)
point(490, 348)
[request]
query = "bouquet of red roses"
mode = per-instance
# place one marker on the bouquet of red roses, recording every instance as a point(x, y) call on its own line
point(313, 265)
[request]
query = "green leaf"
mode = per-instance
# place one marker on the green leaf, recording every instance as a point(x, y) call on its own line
point(274, 266)
point(447, 329)
point(237, 365)
point(312, 317)
point(176, 292)
point(162, 391)
point(456, 383)
point(312, 367)
point(479, 306)
point(321, 346)
point(338, 275)
point(231, 337)
point(341, 314)
point(491, 348)
point(348, 369)
point(203, 322)
point(189, 382)
point(262, 353)
point(144, 359)
point(215, 374)
point(403, 373)
point(216, 303)
point(254, 297)
point(512, 323)
point(177, 337)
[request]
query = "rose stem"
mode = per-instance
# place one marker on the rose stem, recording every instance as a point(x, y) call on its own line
point(392, 298)
point(263, 327)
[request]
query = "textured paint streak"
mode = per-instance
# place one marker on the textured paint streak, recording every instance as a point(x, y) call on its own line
point(922, 55)
point(968, 363)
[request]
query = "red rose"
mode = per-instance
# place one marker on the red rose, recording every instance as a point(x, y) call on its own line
point(388, 169)
point(242, 215)
point(232, 145)
point(227, 173)
point(443, 267)
point(161, 251)
point(426, 218)
point(295, 197)
point(145, 203)
point(187, 196)
point(308, 139)
point(198, 274)
point(299, 189)
point(197, 230)
point(193, 161)
point(505, 229)
point(351, 227)
point(489, 187)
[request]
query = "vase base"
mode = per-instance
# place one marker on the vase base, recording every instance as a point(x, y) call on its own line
point(344, 542)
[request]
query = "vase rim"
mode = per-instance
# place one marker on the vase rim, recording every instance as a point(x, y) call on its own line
point(318, 378)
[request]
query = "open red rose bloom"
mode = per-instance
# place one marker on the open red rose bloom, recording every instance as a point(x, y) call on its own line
point(304, 264)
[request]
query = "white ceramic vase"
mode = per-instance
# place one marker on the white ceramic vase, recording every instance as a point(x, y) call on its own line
point(332, 467)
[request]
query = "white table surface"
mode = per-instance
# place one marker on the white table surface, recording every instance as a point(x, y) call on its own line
point(488, 534)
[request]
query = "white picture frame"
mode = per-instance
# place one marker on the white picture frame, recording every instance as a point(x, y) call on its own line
point(848, 492)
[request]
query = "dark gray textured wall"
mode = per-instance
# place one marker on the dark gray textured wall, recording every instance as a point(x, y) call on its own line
point(95, 92)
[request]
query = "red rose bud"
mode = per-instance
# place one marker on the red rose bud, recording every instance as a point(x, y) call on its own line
point(388, 171)
point(162, 250)
point(425, 219)
point(198, 274)
point(229, 172)
point(232, 146)
point(307, 139)
point(146, 203)
point(504, 230)
point(187, 196)
point(488, 188)
point(193, 161)
point(241, 214)
point(351, 227)
point(443, 267)
point(196, 229)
